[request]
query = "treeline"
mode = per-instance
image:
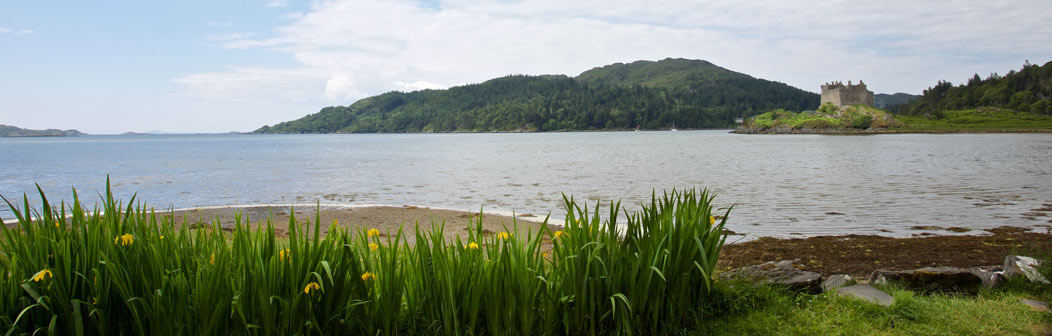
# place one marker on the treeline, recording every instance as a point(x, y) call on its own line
point(1026, 90)
point(548, 103)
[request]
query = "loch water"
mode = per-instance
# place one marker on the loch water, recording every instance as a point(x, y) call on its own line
point(779, 185)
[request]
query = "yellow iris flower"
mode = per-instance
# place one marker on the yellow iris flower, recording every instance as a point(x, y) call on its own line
point(313, 285)
point(473, 246)
point(124, 240)
point(368, 276)
point(40, 275)
point(373, 233)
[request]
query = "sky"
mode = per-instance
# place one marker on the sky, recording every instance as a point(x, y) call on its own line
point(196, 66)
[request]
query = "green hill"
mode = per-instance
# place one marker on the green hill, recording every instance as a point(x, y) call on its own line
point(12, 131)
point(670, 72)
point(884, 101)
point(693, 94)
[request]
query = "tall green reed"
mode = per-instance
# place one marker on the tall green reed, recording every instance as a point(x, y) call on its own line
point(125, 269)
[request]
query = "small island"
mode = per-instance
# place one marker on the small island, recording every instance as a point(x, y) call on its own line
point(1017, 102)
point(12, 131)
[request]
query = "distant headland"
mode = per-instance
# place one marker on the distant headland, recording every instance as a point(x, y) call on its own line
point(12, 131)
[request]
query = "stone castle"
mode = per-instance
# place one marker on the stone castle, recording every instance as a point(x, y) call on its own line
point(846, 95)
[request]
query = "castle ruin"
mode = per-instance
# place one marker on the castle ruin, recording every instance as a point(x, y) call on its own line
point(846, 95)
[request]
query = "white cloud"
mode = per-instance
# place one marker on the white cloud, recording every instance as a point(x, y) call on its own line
point(4, 30)
point(341, 87)
point(345, 50)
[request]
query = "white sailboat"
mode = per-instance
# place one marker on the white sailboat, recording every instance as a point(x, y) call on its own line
point(673, 127)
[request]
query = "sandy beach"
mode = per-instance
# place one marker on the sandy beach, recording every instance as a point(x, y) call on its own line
point(383, 218)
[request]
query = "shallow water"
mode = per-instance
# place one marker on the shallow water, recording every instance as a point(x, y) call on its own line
point(780, 185)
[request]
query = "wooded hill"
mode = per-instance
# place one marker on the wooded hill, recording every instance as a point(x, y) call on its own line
point(645, 94)
point(1026, 90)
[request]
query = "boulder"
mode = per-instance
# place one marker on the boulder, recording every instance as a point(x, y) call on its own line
point(933, 279)
point(786, 273)
point(837, 281)
point(992, 276)
point(1023, 266)
point(867, 293)
point(1035, 305)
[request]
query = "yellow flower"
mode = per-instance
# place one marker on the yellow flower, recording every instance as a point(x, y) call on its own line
point(544, 254)
point(124, 240)
point(373, 246)
point(212, 259)
point(40, 275)
point(503, 235)
point(373, 233)
point(162, 237)
point(558, 234)
point(313, 285)
point(712, 220)
point(368, 275)
point(473, 246)
point(283, 253)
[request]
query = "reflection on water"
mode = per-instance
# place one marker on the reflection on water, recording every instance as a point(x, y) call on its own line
point(784, 185)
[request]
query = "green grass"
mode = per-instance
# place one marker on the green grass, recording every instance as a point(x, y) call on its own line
point(826, 117)
point(981, 119)
point(774, 311)
point(124, 269)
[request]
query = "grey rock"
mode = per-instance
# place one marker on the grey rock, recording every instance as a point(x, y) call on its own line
point(785, 273)
point(837, 281)
point(932, 279)
point(1035, 305)
point(868, 293)
point(991, 277)
point(1023, 266)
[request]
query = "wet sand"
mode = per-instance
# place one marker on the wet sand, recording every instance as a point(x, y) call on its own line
point(860, 255)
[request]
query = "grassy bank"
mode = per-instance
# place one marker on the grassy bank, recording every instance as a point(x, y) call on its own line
point(865, 119)
point(983, 119)
point(774, 311)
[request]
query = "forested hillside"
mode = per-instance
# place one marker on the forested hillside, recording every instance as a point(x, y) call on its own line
point(1026, 90)
point(650, 95)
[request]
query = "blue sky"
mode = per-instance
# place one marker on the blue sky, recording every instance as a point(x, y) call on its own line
point(217, 66)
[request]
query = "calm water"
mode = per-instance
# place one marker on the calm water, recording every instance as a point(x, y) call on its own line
point(785, 185)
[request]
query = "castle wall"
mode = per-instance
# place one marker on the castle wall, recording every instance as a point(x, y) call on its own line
point(846, 95)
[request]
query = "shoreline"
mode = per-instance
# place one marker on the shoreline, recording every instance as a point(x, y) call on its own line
point(857, 255)
point(891, 131)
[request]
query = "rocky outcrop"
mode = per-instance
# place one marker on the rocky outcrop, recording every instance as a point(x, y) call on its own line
point(836, 281)
point(1023, 266)
point(866, 293)
point(785, 273)
point(932, 279)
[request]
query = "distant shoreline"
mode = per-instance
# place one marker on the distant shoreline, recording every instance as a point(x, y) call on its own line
point(891, 131)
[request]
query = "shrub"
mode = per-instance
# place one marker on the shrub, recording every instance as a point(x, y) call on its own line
point(862, 122)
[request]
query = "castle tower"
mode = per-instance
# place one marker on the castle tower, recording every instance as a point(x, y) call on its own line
point(846, 95)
